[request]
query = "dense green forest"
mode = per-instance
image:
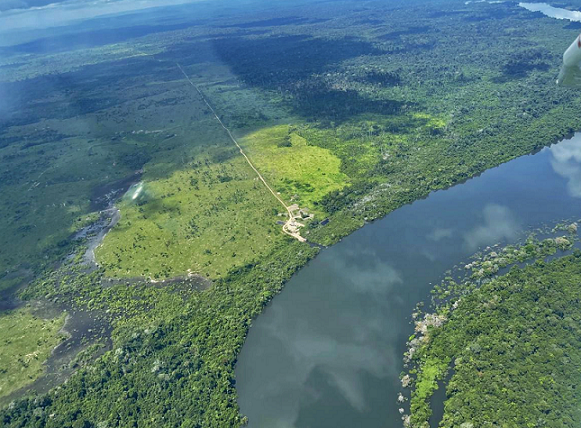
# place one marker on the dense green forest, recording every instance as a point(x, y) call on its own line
point(509, 348)
point(350, 110)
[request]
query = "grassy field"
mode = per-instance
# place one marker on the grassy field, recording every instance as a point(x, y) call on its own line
point(26, 344)
point(207, 219)
point(61, 159)
point(301, 172)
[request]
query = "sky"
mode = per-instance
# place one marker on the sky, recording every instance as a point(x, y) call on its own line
point(36, 14)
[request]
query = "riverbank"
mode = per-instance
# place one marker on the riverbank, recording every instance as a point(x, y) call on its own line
point(330, 346)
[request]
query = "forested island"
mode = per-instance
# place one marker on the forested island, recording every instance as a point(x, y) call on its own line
point(506, 346)
point(349, 110)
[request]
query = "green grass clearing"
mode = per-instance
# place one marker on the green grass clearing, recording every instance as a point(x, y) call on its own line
point(208, 219)
point(301, 172)
point(26, 344)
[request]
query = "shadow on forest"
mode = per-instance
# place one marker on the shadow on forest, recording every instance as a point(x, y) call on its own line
point(294, 65)
point(384, 78)
point(447, 13)
point(370, 21)
point(75, 93)
point(396, 35)
point(572, 25)
point(92, 38)
point(522, 64)
point(279, 62)
point(314, 100)
point(499, 11)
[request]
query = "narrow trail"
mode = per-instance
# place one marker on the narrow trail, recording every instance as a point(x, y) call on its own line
point(290, 225)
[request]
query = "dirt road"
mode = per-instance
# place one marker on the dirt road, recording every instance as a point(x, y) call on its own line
point(291, 227)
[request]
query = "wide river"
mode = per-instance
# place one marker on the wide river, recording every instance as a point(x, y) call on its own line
point(328, 351)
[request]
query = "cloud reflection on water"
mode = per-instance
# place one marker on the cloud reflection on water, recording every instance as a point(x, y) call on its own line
point(438, 234)
point(499, 224)
point(330, 350)
point(368, 272)
point(566, 161)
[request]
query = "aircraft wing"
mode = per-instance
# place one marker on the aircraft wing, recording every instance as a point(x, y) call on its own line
point(569, 77)
point(570, 74)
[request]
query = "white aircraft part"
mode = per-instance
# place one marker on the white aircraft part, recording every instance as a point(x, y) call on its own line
point(570, 74)
point(569, 77)
point(572, 56)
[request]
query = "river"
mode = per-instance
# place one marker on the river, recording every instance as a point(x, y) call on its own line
point(328, 350)
point(552, 12)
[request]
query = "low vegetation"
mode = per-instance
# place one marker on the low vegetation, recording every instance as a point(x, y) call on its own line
point(302, 172)
point(206, 219)
point(168, 344)
point(26, 343)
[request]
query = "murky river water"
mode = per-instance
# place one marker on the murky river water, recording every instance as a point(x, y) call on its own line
point(328, 351)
